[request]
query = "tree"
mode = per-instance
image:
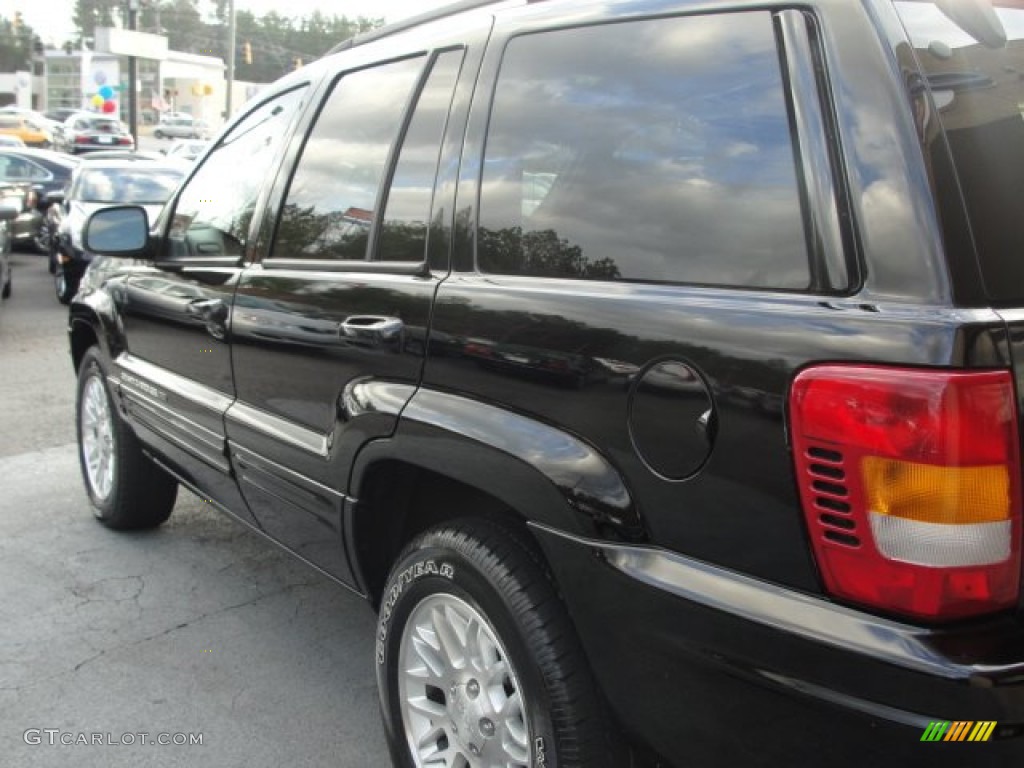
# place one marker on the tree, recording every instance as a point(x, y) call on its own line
point(15, 46)
point(276, 40)
point(90, 14)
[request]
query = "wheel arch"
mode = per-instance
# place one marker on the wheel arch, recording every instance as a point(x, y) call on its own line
point(88, 327)
point(434, 469)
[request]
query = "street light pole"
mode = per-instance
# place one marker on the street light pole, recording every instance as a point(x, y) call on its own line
point(133, 75)
point(231, 59)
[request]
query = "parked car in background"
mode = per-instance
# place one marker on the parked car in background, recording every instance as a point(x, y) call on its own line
point(187, 150)
point(40, 118)
point(95, 185)
point(86, 132)
point(10, 140)
point(28, 129)
point(61, 114)
point(124, 154)
point(181, 126)
point(9, 210)
point(46, 174)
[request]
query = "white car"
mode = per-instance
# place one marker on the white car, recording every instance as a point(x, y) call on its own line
point(181, 126)
point(187, 150)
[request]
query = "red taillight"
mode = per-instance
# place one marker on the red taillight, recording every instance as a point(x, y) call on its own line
point(910, 483)
point(125, 141)
point(81, 139)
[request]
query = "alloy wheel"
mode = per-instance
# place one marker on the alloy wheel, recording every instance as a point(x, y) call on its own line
point(98, 438)
point(461, 702)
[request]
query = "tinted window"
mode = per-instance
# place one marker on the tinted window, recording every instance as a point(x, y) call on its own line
point(329, 210)
point(215, 208)
point(978, 93)
point(653, 150)
point(403, 233)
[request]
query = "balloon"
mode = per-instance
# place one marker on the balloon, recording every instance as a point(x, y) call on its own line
point(109, 106)
point(106, 92)
point(97, 100)
point(100, 77)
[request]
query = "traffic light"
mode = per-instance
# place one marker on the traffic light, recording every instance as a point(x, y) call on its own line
point(247, 52)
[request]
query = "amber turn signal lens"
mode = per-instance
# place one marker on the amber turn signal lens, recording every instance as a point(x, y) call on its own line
point(937, 494)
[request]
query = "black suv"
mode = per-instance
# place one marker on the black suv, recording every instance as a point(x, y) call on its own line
point(651, 367)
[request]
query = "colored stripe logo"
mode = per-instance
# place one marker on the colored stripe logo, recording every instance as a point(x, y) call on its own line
point(959, 730)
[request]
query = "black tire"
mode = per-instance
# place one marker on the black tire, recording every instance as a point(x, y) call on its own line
point(5, 292)
point(158, 134)
point(499, 576)
point(140, 494)
point(65, 285)
point(41, 239)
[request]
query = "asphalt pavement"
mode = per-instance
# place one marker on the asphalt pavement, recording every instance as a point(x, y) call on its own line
point(200, 631)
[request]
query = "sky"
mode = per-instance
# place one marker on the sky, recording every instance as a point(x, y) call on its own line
point(51, 19)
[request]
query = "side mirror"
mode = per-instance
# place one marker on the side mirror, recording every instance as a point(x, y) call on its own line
point(9, 210)
point(121, 230)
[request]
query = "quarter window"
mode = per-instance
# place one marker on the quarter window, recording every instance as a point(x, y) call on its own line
point(216, 207)
point(657, 150)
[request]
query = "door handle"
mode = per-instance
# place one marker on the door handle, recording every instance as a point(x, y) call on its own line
point(371, 330)
point(206, 309)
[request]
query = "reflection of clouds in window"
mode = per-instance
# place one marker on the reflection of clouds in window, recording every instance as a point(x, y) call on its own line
point(404, 229)
point(343, 162)
point(649, 150)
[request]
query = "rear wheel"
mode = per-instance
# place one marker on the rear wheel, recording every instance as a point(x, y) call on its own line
point(126, 488)
point(478, 662)
point(41, 238)
point(5, 292)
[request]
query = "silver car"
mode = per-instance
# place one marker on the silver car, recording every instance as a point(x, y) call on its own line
point(180, 127)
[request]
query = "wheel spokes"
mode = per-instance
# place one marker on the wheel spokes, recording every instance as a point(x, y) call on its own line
point(459, 697)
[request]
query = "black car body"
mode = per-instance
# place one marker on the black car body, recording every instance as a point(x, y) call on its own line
point(47, 173)
point(97, 184)
point(782, 527)
point(85, 132)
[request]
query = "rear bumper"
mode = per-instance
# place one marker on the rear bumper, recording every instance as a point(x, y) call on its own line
point(707, 667)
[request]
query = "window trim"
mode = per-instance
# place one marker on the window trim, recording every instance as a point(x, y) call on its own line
point(410, 268)
point(814, 139)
